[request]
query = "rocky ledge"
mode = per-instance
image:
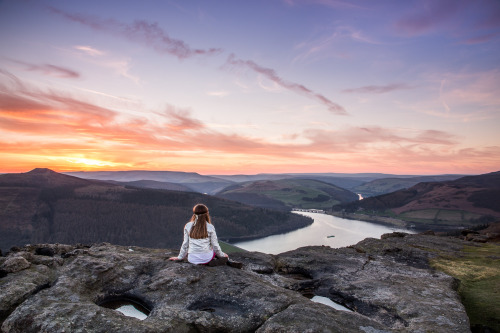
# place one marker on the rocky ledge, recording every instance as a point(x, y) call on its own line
point(387, 282)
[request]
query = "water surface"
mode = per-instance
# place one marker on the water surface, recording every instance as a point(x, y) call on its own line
point(345, 232)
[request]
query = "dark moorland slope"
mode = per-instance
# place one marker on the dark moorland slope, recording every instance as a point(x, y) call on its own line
point(192, 180)
point(42, 206)
point(392, 184)
point(462, 202)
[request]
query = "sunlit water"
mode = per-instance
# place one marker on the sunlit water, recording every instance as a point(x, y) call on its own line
point(329, 302)
point(345, 232)
point(131, 311)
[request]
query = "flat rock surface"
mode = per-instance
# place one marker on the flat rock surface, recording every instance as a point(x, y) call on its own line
point(387, 283)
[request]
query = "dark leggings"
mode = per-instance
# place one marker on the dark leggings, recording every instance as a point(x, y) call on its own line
point(217, 261)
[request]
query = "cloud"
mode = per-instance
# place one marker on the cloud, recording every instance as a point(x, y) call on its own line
point(491, 18)
point(379, 89)
point(89, 50)
point(326, 3)
point(140, 31)
point(219, 93)
point(327, 45)
point(428, 17)
point(48, 69)
point(52, 129)
point(362, 138)
point(480, 39)
point(271, 75)
point(153, 36)
point(180, 120)
point(472, 22)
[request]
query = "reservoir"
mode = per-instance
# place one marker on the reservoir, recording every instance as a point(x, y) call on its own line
point(326, 230)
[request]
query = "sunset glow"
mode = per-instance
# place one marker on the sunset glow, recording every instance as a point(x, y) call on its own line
point(403, 87)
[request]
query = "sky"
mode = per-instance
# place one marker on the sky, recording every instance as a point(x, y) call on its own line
point(246, 87)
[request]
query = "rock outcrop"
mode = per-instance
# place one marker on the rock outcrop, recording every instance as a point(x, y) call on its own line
point(387, 283)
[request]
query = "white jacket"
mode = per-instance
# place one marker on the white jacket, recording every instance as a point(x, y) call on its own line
point(203, 245)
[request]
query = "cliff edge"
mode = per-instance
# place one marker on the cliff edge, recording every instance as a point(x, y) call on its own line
point(388, 283)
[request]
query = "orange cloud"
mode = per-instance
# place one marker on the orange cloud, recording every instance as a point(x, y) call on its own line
point(50, 129)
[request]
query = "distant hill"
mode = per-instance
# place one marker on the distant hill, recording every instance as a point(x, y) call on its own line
point(367, 184)
point(42, 206)
point(466, 201)
point(285, 194)
point(344, 180)
point(154, 185)
point(191, 180)
point(388, 185)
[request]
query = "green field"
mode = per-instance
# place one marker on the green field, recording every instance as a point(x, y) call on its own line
point(228, 248)
point(439, 216)
point(295, 198)
point(294, 193)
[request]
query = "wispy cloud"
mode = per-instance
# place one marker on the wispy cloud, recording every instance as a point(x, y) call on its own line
point(326, 45)
point(354, 138)
point(49, 69)
point(326, 3)
point(481, 39)
point(491, 18)
point(61, 130)
point(90, 50)
point(152, 35)
point(379, 89)
point(428, 16)
point(471, 22)
point(140, 31)
point(271, 75)
point(218, 93)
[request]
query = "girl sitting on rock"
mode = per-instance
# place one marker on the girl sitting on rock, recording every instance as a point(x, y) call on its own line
point(200, 240)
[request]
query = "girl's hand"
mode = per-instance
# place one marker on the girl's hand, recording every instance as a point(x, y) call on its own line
point(173, 258)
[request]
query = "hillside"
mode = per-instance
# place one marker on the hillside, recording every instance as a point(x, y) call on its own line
point(44, 206)
point(285, 194)
point(466, 201)
point(388, 185)
point(192, 180)
point(154, 185)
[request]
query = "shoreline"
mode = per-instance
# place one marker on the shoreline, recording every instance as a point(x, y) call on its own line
point(387, 221)
point(232, 240)
point(393, 222)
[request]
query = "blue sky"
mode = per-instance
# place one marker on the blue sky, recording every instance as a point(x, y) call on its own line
point(407, 87)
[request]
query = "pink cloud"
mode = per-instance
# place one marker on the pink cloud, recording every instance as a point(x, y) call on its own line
point(379, 89)
point(140, 31)
point(481, 39)
point(326, 3)
point(51, 70)
point(54, 115)
point(180, 120)
point(429, 16)
point(51, 125)
point(295, 87)
point(361, 138)
point(492, 14)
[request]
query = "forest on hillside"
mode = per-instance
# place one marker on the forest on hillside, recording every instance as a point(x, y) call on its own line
point(124, 215)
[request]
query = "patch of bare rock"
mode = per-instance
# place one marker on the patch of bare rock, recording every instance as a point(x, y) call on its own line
point(386, 282)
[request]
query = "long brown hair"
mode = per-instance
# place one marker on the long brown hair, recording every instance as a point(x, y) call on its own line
point(200, 218)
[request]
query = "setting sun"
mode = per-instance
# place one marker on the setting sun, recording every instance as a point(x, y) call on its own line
point(86, 162)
